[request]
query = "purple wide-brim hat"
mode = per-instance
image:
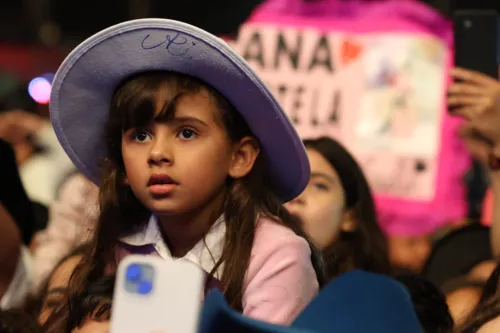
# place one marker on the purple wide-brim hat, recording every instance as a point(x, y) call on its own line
point(88, 77)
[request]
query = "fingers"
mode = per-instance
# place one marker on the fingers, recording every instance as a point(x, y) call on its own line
point(472, 98)
point(32, 124)
point(478, 149)
point(469, 106)
point(465, 89)
point(20, 121)
point(467, 130)
point(465, 100)
point(470, 130)
point(471, 76)
point(467, 112)
point(478, 146)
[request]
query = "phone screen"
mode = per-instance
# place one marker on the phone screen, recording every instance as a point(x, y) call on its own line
point(476, 40)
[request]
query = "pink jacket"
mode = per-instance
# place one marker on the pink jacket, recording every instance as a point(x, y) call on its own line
point(280, 280)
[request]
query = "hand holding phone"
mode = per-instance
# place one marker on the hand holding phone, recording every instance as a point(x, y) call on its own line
point(476, 97)
point(473, 93)
point(154, 295)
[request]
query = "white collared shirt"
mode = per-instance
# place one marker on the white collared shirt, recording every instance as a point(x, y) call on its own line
point(206, 253)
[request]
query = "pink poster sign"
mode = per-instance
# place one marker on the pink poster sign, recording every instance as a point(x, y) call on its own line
point(378, 86)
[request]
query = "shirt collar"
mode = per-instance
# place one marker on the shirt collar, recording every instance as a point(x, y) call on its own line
point(206, 253)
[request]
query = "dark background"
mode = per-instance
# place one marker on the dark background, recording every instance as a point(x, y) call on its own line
point(80, 19)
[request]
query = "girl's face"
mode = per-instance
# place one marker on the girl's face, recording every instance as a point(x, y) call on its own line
point(180, 165)
point(322, 204)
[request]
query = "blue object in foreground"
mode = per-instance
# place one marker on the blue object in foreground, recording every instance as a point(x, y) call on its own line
point(355, 302)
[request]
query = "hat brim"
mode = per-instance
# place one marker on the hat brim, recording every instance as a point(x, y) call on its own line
point(85, 82)
point(457, 253)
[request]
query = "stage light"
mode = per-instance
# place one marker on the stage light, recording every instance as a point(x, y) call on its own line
point(39, 89)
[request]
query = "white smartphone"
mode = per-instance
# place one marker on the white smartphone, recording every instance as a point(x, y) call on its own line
point(154, 295)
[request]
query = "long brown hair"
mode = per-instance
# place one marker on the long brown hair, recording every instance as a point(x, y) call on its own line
point(134, 105)
point(365, 247)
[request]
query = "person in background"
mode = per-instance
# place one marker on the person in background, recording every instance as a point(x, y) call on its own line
point(95, 307)
point(41, 160)
point(92, 309)
point(430, 304)
point(409, 247)
point(483, 270)
point(476, 97)
point(459, 265)
point(462, 295)
point(485, 316)
point(338, 212)
point(73, 218)
point(40, 157)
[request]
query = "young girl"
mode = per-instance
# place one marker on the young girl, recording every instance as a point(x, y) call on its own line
point(195, 159)
point(338, 212)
